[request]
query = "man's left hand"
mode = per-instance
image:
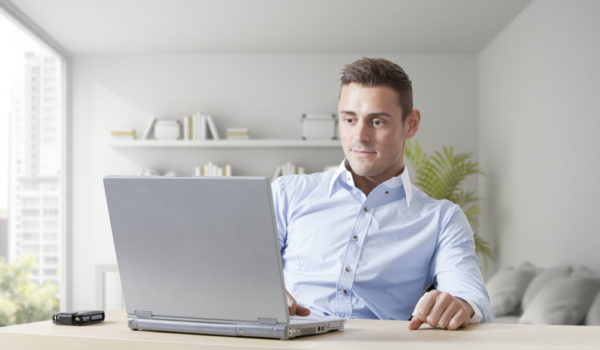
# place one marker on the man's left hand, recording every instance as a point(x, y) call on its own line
point(439, 309)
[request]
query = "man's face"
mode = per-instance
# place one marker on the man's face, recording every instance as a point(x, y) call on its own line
point(371, 130)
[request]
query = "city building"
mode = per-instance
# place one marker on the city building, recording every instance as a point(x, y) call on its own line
point(34, 161)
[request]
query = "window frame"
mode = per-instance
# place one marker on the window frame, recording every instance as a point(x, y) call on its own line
point(25, 23)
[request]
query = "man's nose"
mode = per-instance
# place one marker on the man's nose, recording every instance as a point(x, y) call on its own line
point(362, 131)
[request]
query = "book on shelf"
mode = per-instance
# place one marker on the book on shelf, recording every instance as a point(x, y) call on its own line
point(186, 128)
point(237, 134)
point(149, 127)
point(198, 126)
point(202, 126)
point(211, 169)
point(277, 173)
point(212, 127)
point(287, 169)
point(129, 134)
point(196, 118)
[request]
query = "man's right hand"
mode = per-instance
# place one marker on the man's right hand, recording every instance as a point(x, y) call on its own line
point(294, 308)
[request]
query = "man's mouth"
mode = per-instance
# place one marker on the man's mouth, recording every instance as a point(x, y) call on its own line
point(361, 153)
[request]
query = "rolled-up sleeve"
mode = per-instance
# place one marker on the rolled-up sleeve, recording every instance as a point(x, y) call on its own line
point(455, 268)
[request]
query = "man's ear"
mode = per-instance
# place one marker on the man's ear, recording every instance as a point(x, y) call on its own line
point(411, 124)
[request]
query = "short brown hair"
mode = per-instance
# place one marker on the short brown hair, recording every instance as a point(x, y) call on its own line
point(377, 72)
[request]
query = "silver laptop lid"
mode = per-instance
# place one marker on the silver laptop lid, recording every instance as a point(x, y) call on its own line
point(197, 247)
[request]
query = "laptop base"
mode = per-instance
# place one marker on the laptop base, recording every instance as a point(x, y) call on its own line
point(237, 329)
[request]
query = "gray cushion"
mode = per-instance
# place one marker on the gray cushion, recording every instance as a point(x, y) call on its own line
point(593, 315)
point(508, 319)
point(540, 280)
point(584, 272)
point(562, 301)
point(507, 287)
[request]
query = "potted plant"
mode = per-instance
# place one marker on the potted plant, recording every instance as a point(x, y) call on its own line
point(441, 176)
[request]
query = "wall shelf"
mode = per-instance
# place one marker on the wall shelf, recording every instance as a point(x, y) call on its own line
point(252, 143)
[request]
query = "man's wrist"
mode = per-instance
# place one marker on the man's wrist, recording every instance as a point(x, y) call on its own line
point(477, 316)
point(467, 306)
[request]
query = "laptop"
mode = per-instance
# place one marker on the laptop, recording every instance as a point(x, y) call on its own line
point(201, 255)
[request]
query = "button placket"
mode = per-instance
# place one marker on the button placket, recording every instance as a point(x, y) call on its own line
point(350, 262)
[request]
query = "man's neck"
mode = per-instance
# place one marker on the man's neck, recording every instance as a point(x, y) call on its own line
point(368, 184)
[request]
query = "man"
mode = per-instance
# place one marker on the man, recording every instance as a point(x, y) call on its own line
point(361, 241)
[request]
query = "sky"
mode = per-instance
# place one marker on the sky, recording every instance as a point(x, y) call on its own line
point(13, 43)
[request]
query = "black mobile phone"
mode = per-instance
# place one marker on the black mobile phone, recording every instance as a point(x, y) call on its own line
point(80, 318)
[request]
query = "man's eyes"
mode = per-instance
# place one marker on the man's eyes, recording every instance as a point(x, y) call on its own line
point(375, 122)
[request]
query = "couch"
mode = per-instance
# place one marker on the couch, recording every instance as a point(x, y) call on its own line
point(559, 295)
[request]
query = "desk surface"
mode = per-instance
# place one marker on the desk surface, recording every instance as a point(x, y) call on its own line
point(114, 334)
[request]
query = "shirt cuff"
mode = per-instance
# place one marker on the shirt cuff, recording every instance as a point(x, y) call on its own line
point(476, 318)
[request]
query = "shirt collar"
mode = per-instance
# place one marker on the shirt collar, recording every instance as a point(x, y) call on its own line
point(401, 180)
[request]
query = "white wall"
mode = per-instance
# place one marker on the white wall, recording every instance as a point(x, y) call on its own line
point(267, 93)
point(538, 135)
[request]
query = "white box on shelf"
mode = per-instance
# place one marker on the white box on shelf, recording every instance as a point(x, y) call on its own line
point(167, 130)
point(319, 127)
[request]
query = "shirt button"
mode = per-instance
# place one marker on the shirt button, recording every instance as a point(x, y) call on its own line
point(355, 238)
point(343, 291)
point(387, 192)
point(366, 209)
point(348, 269)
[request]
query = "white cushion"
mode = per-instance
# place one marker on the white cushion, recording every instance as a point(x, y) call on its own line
point(540, 280)
point(562, 301)
point(507, 287)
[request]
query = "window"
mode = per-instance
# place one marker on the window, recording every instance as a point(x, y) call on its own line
point(32, 118)
point(31, 201)
point(50, 236)
point(30, 236)
point(50, 201)
point(52, 213)
point(30, 213)
point(31, 224)
point(51, 260)
point(50, 248)
point(50, 224)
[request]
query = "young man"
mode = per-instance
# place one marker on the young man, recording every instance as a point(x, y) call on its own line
point(361, 241)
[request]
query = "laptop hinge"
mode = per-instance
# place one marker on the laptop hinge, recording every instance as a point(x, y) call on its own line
point(143, 314)
point(267, 320)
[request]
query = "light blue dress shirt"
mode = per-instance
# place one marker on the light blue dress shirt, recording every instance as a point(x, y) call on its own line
point(349, 255)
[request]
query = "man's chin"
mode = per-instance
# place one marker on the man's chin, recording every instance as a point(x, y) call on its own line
point(362, 169)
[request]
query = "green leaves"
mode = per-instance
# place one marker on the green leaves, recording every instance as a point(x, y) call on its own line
point(21, 301)
point(441, 176)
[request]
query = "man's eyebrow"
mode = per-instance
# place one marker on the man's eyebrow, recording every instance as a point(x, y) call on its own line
point(372, 115)
point(379, 114)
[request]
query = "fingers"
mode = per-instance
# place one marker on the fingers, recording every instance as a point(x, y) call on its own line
point(294, 308)
point(415, 323)
point(441, 302)
point(302, 311)
point(291, 303)
point(439, 309)
point(447, 316)
point(461, 319)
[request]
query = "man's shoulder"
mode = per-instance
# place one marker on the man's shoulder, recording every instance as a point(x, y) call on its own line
point(427, 203)
point(297, 184)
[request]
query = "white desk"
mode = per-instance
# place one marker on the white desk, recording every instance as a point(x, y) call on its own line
point(113, 334)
